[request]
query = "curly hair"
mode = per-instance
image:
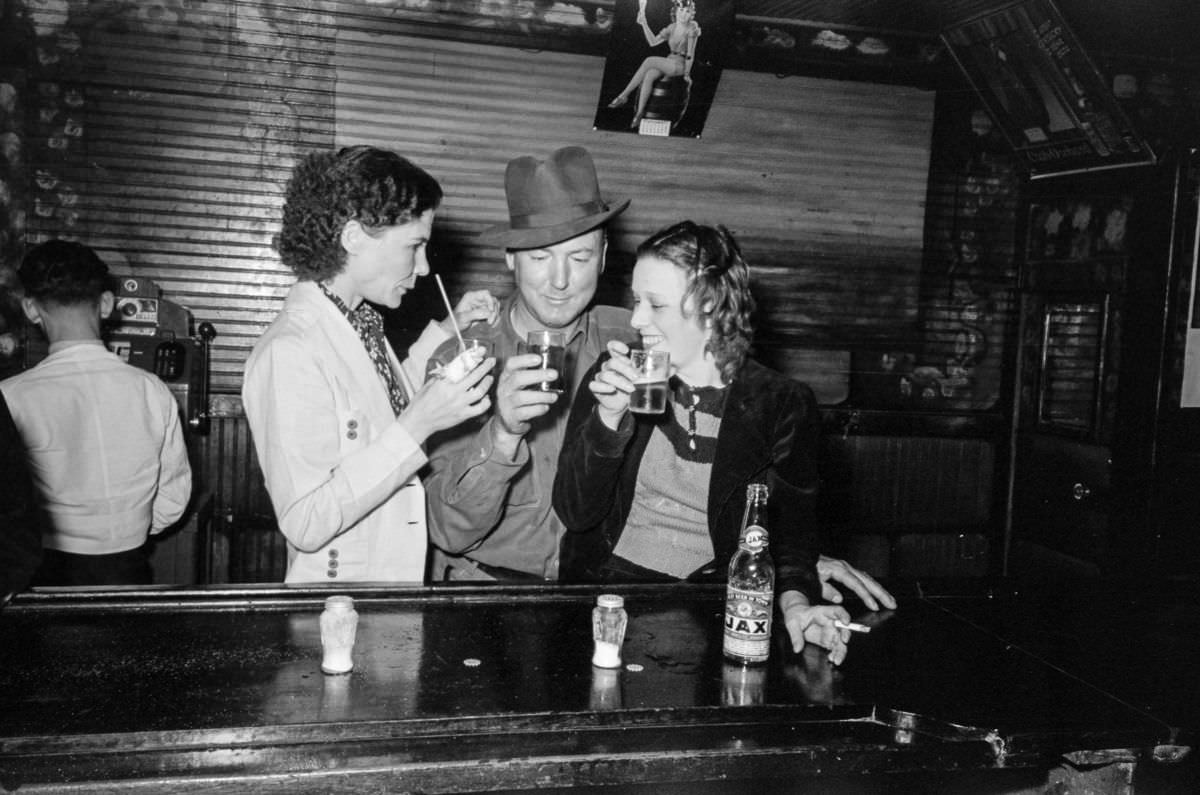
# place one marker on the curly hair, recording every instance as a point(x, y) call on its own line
point(718, 286)
point(327, 189)
point(63, 272)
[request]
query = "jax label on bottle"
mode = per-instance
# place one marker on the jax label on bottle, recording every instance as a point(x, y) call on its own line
point(748, 624)
point(754, 537)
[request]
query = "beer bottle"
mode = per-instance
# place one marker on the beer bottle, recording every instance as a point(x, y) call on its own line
point(750, 592)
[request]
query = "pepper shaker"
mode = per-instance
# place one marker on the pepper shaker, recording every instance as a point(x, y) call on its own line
point(339, 621)
point(608, 630)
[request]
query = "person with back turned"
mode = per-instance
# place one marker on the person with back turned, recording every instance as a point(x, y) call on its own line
point(104, 438)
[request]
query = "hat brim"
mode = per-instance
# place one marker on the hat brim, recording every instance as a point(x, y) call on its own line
point(537, 237)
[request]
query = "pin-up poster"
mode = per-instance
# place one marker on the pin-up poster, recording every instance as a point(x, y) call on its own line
point(663, 65)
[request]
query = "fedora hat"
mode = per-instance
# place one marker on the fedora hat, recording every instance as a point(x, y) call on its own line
point(551, 200)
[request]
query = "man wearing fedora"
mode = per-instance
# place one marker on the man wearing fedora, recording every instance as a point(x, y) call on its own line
point(490, 481)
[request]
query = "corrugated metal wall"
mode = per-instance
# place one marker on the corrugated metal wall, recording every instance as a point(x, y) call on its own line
point(822, 181)
point(165, 137)
point(187, 121)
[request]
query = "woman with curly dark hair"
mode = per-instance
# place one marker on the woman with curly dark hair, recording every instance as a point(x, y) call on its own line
point(661, 497)
point(339, 422)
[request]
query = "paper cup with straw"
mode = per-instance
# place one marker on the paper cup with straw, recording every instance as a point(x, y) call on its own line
point(470, 351)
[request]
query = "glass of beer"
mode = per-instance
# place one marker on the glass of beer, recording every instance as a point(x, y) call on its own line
point(548, 345)
point(650, 384)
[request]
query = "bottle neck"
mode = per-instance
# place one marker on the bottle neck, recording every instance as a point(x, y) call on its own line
point(754, 521)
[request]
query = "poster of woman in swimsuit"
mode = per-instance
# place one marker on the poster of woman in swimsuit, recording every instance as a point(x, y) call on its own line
point(663, 65)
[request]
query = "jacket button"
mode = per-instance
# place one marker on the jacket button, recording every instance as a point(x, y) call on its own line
point(351, 434)
point(351, 424)
point(331, 573)
point(332, 564)
point(332, 553)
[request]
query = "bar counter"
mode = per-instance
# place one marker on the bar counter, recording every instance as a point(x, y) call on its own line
point(471, 689)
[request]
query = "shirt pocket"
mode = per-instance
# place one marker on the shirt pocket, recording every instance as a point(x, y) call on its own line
point(524, 490)
point(536, 481)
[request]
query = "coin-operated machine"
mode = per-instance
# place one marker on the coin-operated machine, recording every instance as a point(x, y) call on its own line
point(158, 335)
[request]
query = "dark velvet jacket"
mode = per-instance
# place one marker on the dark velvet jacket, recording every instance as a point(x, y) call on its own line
point(769, 433)
point(21, 520)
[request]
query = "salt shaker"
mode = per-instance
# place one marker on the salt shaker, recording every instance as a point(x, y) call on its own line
point(608, 630)
point(339, 621)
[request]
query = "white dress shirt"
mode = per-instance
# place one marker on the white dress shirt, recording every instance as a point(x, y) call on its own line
point(105, 445)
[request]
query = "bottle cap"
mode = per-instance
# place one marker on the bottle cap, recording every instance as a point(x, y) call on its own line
point(610, 600)
point(339, 603)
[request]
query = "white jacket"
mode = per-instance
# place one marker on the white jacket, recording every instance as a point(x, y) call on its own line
point(342, 474)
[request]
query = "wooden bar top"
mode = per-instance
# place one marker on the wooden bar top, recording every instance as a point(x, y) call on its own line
point(460, 689)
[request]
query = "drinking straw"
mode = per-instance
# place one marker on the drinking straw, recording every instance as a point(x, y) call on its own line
point(462, 346)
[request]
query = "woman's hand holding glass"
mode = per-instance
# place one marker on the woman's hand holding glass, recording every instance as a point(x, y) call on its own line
point(613, 384)
point(441, 403)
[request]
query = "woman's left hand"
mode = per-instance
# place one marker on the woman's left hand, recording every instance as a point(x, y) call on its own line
point(474, 306)
point(808, 624)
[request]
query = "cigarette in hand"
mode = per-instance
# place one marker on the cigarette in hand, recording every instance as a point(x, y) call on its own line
point(852, 626)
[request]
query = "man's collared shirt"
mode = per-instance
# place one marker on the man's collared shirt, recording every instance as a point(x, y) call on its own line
point(495, 511)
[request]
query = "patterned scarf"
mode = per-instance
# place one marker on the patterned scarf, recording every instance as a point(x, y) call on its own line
point(367, 321)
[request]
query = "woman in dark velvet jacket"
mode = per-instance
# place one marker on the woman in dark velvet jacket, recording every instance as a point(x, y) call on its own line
point(661, 497)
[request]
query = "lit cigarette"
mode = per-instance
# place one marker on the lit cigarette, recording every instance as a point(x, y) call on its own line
point(852, 626)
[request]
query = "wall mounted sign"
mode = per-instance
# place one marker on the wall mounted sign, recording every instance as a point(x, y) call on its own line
point(1053, 105)
point(663, 65)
